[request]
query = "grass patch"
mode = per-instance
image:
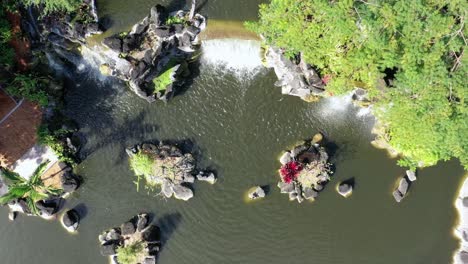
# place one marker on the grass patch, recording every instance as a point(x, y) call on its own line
point(163, 80)
point(174, 20)
point(142, 164)
point(131, 254)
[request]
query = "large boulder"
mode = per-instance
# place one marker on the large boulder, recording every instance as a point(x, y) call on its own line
point(127, 228)
point(151, 234)
point(108, 249)
point(71, 220)
point(285, 158)
point(47, 208)
point(257, 193)
point(398, 196)
point(142, 222)
point(114, 43)
point(403, 186)
point(167, 188)
point(69, 182)
point(182, 192)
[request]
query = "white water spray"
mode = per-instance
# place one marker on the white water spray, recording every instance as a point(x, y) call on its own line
point(239, 57)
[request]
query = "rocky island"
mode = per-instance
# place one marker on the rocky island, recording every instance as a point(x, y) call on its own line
point(135, 241)
point(167, 167)
point(305, 170)
point(153, 57)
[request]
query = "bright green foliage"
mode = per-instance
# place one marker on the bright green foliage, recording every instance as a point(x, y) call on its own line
point(164, 79)
point(142, 164)
point(29, 87)
point(7, 53)
point(425, 110)
point(131, 254)
point(174, 20)
point(56, 140)
point(31, 190)
point(50, 6)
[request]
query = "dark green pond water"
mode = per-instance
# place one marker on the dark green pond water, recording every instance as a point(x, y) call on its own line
point(239, 124)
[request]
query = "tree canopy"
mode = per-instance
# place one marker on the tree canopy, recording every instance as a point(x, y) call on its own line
point(418, 44)
point(50, 6)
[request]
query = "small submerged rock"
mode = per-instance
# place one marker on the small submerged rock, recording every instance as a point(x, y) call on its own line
point(305, 170)
point(167, 167)
point(345, 189)
point(257, 193)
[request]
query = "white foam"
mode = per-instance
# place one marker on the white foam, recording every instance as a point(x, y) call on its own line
point(237, 56)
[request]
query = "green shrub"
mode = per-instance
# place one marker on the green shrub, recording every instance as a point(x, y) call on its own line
point(174, 20)
point(31, 190)
point(7, 54)
point(56, 141)
point(130, 254)
point(425, 110)
point(50, 6)
point(29, 87)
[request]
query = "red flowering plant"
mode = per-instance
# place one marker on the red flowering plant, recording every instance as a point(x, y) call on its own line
point(290, 170)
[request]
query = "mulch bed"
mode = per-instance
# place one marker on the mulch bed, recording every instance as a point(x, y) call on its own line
point(6, 104)
point(18, 132)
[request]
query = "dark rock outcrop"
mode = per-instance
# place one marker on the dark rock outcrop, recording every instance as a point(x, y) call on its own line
point(71, 220)
point(153, 56)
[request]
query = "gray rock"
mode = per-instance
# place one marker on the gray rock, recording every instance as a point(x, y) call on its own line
point(411, 175)
point(285, 158)
point(208, 177)
point(128, 228)
point(142, 222)
point(108, 249)
point(113, 43)
point(318, 187)
point(161, 32)
point(69, 182)
point(149, 260)
point(345, 189)
point(192, 30)
point(113, 235)
point(188, 178)
point(286, 187)
point(292, 196)
point(167, 188)
point(398, 196)
point(12, 215)
point(156, 16)
point(151, 234)
point(298, 150)
point(71, 220)
point(309, 193)
point(182, 193)
point(403, 186)
point(257, 193)
point(47, 208)
point(465, 202)
point(464, 257)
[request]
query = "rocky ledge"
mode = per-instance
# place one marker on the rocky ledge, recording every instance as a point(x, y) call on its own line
point(167, 167)
point(153, 57)
point(295, 77)
point(305, 170)
point(135, 241)
point(60, 28)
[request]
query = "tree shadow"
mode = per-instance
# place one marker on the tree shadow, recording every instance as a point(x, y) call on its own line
point(168, 224)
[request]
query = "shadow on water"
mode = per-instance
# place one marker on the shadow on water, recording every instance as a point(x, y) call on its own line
point(168, 224)
point(194, 68)
point(82, 210)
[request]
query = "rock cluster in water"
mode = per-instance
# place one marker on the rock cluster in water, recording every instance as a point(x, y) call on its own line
point(403, 186)
point(136, 240)
point(171, 170)
point(154, 54)
point(296, 77)
point(305, 171)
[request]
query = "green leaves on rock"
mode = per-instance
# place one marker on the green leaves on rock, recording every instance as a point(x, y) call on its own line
point(418, 44)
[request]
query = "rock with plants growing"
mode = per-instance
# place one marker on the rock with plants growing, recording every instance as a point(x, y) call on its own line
point(153, 57)
point(40, 195)
point(167, 168)
point(305, 171)
point(135, 241)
